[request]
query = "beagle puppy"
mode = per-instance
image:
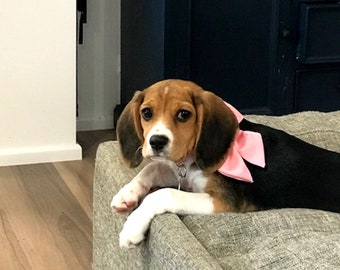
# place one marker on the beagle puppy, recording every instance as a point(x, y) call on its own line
point(205, 158)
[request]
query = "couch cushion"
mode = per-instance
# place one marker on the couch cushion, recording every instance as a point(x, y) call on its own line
point(321, 129)
point(275, 239)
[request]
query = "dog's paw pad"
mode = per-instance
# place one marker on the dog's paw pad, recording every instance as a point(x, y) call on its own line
point(120, 205)
point(125, 200)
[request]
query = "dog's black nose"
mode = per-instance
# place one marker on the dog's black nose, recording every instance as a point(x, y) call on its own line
point(158, 142)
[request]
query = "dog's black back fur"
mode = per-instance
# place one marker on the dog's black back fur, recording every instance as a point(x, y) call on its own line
point(313, 174)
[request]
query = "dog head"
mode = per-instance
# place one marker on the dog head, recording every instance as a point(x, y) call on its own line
point(173, 119)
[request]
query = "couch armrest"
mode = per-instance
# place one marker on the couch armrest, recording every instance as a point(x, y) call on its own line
point(170, 244)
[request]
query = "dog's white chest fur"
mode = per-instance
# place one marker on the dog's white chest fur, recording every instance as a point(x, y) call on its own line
point(189, 178)
point(160, 174)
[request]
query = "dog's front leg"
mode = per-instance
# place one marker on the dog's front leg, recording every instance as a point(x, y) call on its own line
point(158, 202)
point(155, 174)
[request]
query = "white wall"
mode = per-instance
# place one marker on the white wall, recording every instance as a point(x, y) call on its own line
point(37, 81)
point(99, 66)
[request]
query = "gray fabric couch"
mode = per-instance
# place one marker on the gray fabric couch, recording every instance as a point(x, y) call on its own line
point(274, 239)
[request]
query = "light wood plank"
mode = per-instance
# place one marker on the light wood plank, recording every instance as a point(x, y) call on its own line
point(78, 177)
point(46, 211)
point(46, 221)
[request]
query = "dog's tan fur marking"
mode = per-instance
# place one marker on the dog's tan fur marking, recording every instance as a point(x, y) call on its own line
point(217, 193)
point(165, 106)
point(220, 206)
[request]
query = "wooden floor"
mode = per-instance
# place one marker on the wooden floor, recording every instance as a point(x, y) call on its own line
point(46, 211)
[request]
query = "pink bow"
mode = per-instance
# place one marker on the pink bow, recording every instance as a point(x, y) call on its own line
point(247, 145)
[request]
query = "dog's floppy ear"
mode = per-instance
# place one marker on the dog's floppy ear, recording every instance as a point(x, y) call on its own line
point(217, 128)
point(129, 131)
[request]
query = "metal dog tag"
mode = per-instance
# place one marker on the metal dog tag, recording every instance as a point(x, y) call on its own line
point(182, 173)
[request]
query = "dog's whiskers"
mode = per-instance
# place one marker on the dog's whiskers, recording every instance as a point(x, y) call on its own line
point(139, 149)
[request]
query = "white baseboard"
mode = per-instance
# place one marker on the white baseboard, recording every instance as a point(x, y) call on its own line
point(94, 123)
point(33, 155)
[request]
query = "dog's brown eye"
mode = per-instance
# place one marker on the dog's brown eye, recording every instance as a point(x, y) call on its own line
point(183, 115)
point(147, 114)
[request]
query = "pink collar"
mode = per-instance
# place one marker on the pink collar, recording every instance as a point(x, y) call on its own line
point(247, 145)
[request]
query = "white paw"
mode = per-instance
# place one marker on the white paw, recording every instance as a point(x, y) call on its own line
point(130, 239)
point(139, 220)
point(134, 230)
point(127, 198)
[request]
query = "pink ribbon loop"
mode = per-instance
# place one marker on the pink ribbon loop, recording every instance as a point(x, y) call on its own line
point(247, 146)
